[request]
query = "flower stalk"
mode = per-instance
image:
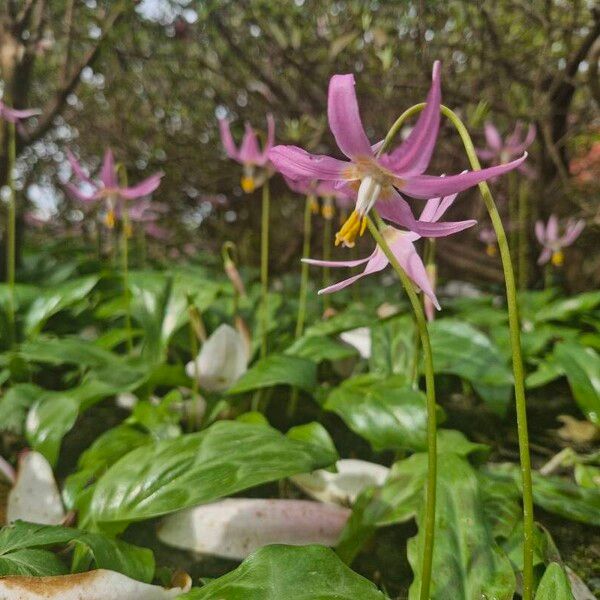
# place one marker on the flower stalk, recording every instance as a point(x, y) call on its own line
point(421, 324)
point(303, 297)
point(327, 219)
point(264, 267)
point(125, 233)
point(11, 231)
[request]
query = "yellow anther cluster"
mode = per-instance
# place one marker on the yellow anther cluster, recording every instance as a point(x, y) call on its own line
point(110, 219)
point(558, 258)
point(314, 206)
point(355, 226)
point(248, 184)
point(328, 211)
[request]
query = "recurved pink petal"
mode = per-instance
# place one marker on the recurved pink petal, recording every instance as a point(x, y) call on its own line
point(249, 150)
point(485, 154)
point(296, 163)
point(344, 117)
point(518, 148)
point(377, 262)
point(270, 135)
point(429, 186)
point(336, 263)
point(145, 187)
point(540, 232)
point(413, 155)
point(573, 231)
point(108, 174)
point(492, 137)
point(77, 194)
point(545, 256)
point(409, 259)
point(77, 168)
point(552, 229)
point(227, 140)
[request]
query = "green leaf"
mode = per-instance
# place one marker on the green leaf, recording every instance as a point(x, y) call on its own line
point(393, 346)
point(582, 368)
point(351, 318)
point(67, 350)
point(47, 422)
point(291, 572)
point(55, 299)
point(554, 584)
point(467, 562)
point(20, 552)
point(566, 308)
point(15, 403)
point(461, 350)
point(278, 369)
point(386, 412)
point(320, 348)
point(200, 467)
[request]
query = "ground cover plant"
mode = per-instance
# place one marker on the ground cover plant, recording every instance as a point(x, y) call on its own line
point(358, 356)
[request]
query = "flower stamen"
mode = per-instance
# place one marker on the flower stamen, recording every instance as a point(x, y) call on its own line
point(354, 227)
point(558, 258)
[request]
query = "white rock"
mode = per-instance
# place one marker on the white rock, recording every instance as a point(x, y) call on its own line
point(343, 487)
point(35, 497)
point(93, 585)
point(236, 527)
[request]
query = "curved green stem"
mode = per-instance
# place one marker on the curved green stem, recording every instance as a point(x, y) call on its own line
point(264, 267)
point(517, 358)
point(327, 231)
point(11, 231)
point(303, 297)
point(421, 323)
point(125, 232)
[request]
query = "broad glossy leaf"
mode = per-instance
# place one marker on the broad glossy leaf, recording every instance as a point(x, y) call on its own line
point(278, 369)
point(393, 346)
point(224, 459)
point(582, 368)
point(351, 318)
point(15, 403)
point(18, 541)
point(467, 562)
point(554, 584)
point(55, 299)
point(387, 412)
point(566, 308)
point(320, 348)
point(290, 572)
point(462, 350)
point(67, 350)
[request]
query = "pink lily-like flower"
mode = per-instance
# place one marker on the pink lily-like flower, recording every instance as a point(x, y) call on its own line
point(402, 245)
point(376, 178)
point(499, 151)
point(107, 188)
point(14, 115)
point(249, 154)
point(553, 243)
point(343, 196)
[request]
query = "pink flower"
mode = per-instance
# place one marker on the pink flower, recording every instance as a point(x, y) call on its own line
point(553, 243)
point(107, 188)
point(249, 154)
point(499, 151)
point(402, 245)
point(376, 178)
point(488, 236)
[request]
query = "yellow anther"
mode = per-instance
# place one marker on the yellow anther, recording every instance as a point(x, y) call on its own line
point(314, 206)
point(328, 211)
point(491, 250)
point(558, 258)
point(110, 219)
point(248, 184)
point(355, 226)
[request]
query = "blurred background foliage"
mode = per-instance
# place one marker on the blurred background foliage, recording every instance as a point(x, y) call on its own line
point(149, 79)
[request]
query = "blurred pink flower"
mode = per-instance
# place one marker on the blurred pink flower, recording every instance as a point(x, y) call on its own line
point(249, 154)
point(14, 115)
point(552, 242)
point(488, 236)
point(500, 152)
point(376, 178)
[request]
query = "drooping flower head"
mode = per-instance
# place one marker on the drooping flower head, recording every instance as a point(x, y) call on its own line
point(344, 197)
point(375, 177)
point(501, 151)
point(553, 243)
point(254, 160)
point(107, 187)
point(401, 243)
